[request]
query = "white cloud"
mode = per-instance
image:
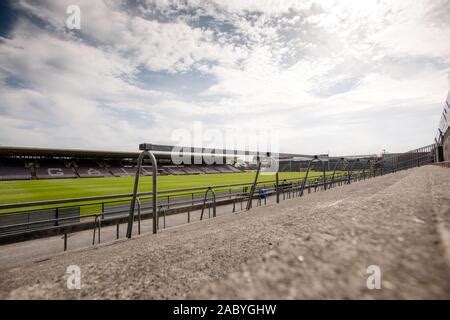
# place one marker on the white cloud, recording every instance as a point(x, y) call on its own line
point(323, 74)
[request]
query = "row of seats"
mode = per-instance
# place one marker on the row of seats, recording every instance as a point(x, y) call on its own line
point(14, 173)
point(58, 170)
point(10, 169)
point(200, 169)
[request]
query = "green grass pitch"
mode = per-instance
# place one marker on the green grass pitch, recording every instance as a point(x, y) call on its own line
point(38, 190)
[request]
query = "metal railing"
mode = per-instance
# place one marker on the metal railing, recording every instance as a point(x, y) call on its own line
point(149, 154)
point(190, 199)
point(118, 208)
point(205, 202)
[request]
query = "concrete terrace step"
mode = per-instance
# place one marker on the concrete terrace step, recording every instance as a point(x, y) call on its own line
point(314, 247)
point(394, 229)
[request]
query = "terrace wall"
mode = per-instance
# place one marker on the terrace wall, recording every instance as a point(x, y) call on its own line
point(446, 145)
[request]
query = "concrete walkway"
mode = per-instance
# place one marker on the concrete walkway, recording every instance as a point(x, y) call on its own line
point(313, 247)
point(20, 253)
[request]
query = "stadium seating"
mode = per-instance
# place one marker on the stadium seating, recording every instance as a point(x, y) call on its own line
point(87, 169)
point(226, 168)
point(162, 171)
point(127, 169)
point(223, 168)
point(232, 168)
point(201, 169)
point(208, 169)
point(192, 169)
point(119, 171)
point(12, 169)
point(174, 170)
point(146, 171)
point(51, 169)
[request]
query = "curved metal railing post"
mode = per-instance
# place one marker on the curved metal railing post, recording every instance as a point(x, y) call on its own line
point(316, 158)
point(277, 186)
point(350, 172)
point(135, 191)
point(306, 176)
point(139, 214)
point(334, 171)
point(161, 208)
point(97, 224)
point(205, 200)
point(252, 190)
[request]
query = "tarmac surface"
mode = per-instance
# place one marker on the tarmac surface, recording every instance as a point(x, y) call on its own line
point(317, 246)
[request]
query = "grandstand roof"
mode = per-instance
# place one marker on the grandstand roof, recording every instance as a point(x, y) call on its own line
point(160, 152)
point(47, 152)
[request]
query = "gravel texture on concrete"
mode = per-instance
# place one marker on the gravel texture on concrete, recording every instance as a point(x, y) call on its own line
point(318, 246)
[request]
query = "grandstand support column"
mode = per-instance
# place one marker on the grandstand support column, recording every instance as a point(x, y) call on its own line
point(146, 152)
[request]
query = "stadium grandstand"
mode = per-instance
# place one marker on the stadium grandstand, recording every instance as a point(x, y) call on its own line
point(40, 163)
point(19, 163)
point(22, 163)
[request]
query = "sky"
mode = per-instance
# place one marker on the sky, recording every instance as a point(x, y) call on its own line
point(339, 77)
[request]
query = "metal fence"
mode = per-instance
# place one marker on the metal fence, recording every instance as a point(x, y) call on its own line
point(444, 122)
point(65, 216)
